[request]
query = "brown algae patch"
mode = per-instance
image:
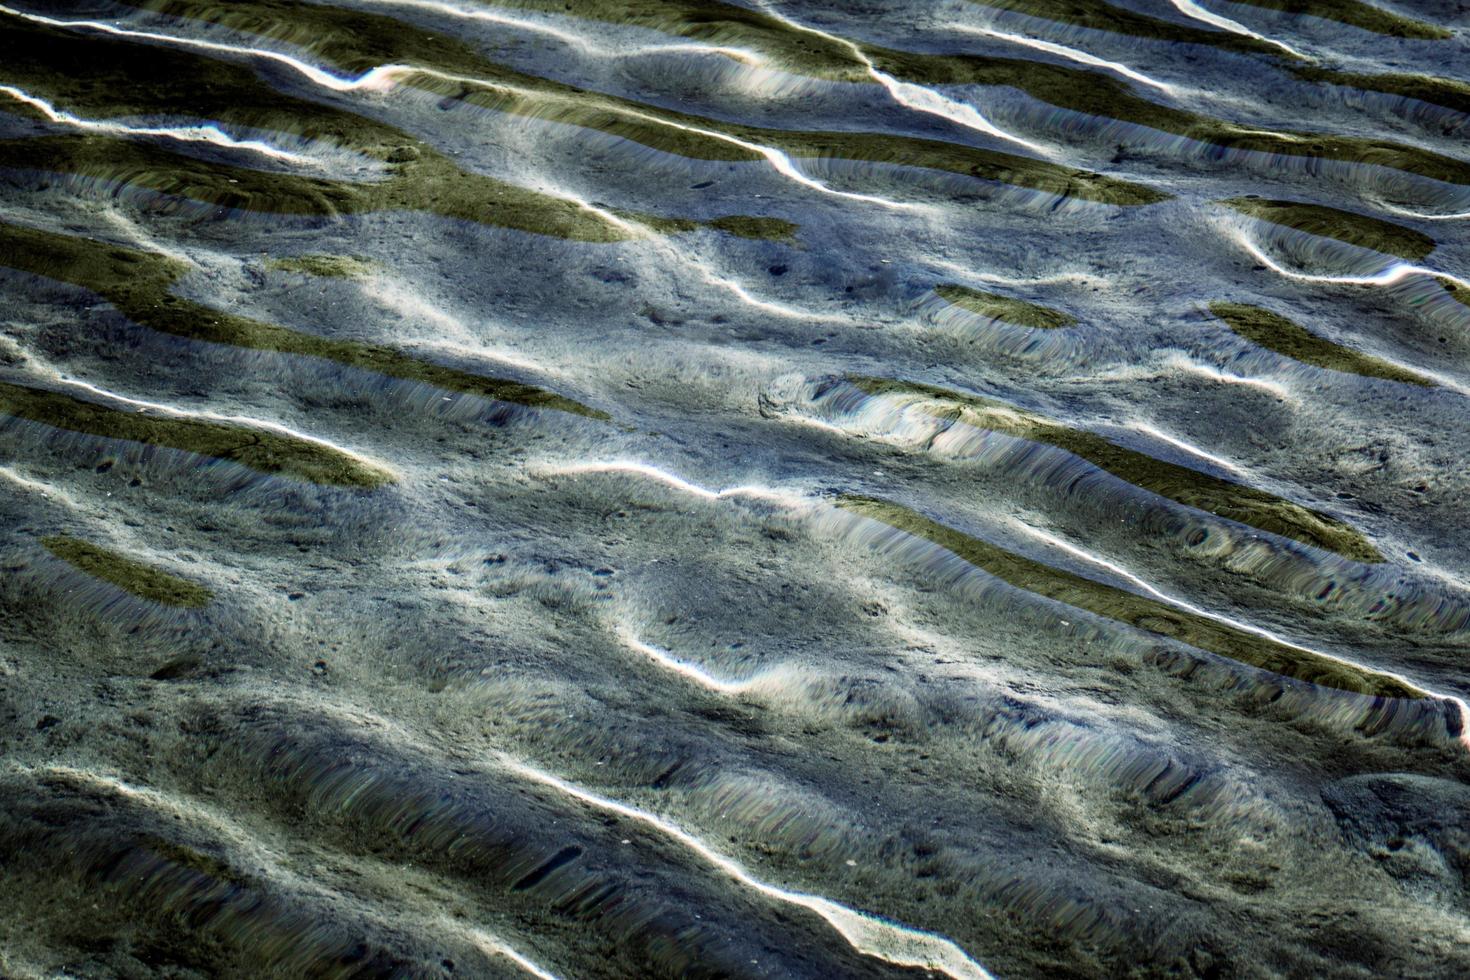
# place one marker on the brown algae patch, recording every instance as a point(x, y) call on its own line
point(138, 284)
point(1356, 13)
point(1138, 611)
point(262, 450)
point(997, 307)
point(1232, 501)
point(326, 266)
point(143, 581)
point(1276, 333)
point(1345, 226)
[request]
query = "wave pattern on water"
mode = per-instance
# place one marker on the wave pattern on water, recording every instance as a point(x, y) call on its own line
point(734, 488)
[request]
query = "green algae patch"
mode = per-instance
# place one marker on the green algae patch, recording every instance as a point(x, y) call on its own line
point(1232, 501)
point(764, 229)
point(358, 41)
point(138, 284)
point(434, 184)
point(114, 77)
point(992, 165)
point(1104, 97)
point(429, 184)
point(1450, 93)
point(1345, 226)
point(354, 41)
point(1457, 292)
point(143, 581)
point(100, 76)
point(997, 307)
point(816, 55)
point(701, 138)
point(1356, 13)
point(262, 450)
point(739, 225)
point(114, 162)
point(326, 266)
point(14, 107)
point(1138, 611)
point(1276, 333)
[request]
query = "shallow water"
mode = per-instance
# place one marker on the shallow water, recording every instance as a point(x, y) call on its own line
point(970, 488)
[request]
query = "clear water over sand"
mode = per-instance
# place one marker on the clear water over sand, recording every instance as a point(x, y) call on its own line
point(670, 488)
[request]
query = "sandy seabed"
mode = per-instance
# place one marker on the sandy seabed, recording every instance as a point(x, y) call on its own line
point(560, 488)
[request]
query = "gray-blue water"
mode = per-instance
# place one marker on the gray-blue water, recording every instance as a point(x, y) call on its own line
point(672, 488)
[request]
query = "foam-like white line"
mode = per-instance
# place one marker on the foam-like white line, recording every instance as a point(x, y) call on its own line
point(146, 241)
point(913, 96)
point(1071, 54)
point(765, 306)
point(384, 77)
point(683, 668)
point(253, 423)
point(156, 800)
point(498, 947)
point(779, 161)
point(1194, 11)
point(476, 352)
point(374, 80)
point(1442, 380)
point(38, 487)
point(1397, 272)
point(968, 272)
point(190, 134)
point(1424, 217)
point(1183, 362)
point(453, 335)
point(679, 483)
point(923, 99)
point(906, 94)
point(1178, 603)
point(1190, 448)
point(868, 934)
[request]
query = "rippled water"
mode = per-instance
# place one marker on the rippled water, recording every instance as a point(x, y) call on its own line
point(576, 488)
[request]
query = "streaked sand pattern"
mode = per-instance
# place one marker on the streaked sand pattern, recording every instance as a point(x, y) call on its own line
point(766, 488)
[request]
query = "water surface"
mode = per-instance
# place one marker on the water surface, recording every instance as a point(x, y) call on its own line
point(915, 487)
